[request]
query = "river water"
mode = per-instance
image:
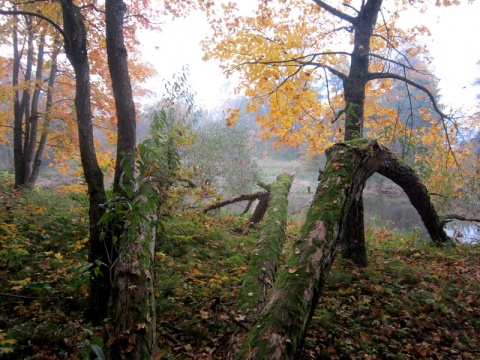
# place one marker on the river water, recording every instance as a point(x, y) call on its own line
point(396, 213)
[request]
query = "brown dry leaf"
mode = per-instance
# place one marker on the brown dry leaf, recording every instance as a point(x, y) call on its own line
point(204, 314)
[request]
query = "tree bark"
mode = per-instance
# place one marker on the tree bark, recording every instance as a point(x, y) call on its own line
point(100, 249)
point(21, 127)
point(31, 132)
point(353, 245)
point(37, 162)
point(262, 269)
point(17, 113)
point(132, 325)
point(27, 152)
point(356, 81)
point(402, 175)
point(280, 330)
point(122, 90)
point(261, 208)
point(353, 237)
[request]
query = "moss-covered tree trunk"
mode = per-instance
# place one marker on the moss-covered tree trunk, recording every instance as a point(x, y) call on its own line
point(355, 84)
point(353, 245)
point(262, 269)
point(132, 325)
point(280, 330)
point(405, 177)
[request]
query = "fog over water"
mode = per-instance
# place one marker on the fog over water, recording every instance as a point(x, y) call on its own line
point(397, 213)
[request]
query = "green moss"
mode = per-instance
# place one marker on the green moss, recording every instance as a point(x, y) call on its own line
point(264, 259)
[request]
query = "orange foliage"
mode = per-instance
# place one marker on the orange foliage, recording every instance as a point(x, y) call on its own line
point(62, 129)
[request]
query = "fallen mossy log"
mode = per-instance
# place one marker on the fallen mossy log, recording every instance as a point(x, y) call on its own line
point(281, 327)
point(262, 269)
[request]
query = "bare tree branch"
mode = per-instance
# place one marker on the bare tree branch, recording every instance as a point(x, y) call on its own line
point(450, 217)
point(351, 7)
point(409, 66)
point(389, 43)
point(243, 197)
point(335, 12)
point(388, 75)
point(19, 12)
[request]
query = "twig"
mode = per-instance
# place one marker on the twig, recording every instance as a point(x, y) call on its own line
point(239, 323)
point(450, 217)
point(28, 297)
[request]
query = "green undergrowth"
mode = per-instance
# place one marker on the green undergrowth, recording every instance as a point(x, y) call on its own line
point(43, 273)
point(201, 260)
point(413, 301)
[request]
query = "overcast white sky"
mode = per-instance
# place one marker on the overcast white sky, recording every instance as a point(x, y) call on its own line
point(454, 46)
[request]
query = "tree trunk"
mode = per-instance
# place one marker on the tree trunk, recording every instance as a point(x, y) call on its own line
point(47, 118)
point(32, 122)
point(122, 90)
point(353, 245)
point(261, 208)
point(418, 195)
point(353, 237)
point(262, 269)
point(27, 153)
point(132, 325)
point(356, 81)
point(280, 330)
point(100, 249)
point(17, 113)
point(21, 106)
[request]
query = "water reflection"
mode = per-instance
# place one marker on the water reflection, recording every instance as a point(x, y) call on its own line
point(396, 213)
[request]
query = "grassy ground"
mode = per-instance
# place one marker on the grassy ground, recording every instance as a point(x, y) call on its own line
point(413, 301)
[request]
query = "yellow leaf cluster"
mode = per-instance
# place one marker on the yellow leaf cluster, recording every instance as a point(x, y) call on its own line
point(282, 53)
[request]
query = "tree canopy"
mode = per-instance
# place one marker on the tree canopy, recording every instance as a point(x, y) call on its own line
point(290, 55)
point(38, 82)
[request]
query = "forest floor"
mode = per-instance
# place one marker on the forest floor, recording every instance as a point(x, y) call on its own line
point(413, 301)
